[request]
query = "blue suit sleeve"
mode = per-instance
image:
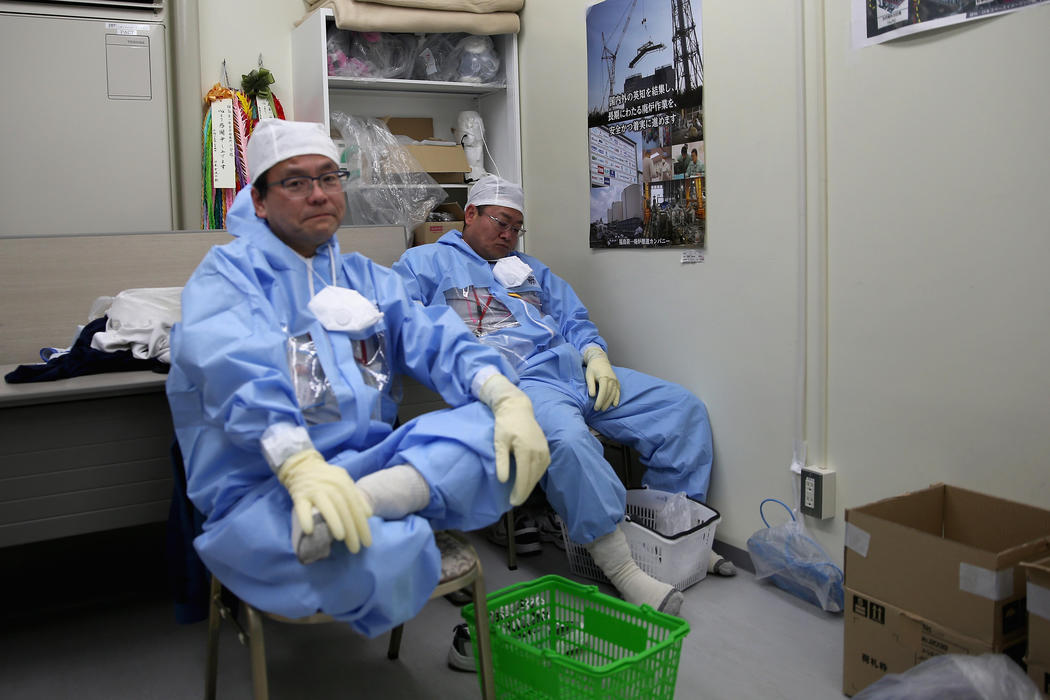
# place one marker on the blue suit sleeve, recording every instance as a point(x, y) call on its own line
point(431, 343)
point(418, 288)
point(574, 323)
point(231, 347)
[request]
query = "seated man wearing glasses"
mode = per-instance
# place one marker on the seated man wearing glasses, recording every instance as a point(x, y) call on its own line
point(282, 390)
point(517, 305)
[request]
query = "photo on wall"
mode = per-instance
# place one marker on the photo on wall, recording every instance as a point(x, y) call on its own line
point(876, 21)
point(645, 120)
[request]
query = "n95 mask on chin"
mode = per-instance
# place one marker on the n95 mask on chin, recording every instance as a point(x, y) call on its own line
point(340, 309)
point(511, 271)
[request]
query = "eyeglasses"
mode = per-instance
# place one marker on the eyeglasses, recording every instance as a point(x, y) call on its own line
point(504, 226)
point(299, 186)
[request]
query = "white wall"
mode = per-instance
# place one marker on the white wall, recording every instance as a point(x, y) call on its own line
point(237, 31)
point(937, 303)
point(939, 298)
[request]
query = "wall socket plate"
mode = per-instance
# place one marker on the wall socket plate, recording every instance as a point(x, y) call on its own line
point(818, 492)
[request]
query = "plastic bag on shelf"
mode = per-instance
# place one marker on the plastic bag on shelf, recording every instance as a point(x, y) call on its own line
point(386, 186)
point(476, 60)
point(370, 54)
point(337, 47)
point(796, 562)
point(381, 54)
point(434, 59)
point(955, 677)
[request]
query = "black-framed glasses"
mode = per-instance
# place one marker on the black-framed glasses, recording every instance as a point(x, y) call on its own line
point(302, 185)
point(504, 226)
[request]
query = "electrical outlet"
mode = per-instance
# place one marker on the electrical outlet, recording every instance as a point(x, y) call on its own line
point(818, 492)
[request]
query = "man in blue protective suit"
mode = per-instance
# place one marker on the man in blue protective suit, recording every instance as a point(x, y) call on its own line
point(517, 305)
point(282, 380)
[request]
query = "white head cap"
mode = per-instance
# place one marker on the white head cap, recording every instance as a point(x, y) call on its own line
point(274, 140)
point(492, 189)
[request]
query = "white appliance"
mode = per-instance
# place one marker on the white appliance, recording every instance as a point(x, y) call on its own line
point(85, 130)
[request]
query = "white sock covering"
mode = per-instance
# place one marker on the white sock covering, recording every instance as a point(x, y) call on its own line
point(612, 554)
point(395, 492)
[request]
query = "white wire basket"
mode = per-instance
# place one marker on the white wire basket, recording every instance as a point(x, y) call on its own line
point(679, 559)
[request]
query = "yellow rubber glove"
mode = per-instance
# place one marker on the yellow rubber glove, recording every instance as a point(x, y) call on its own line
point(516, 431)
point(314, 483)
point(600, 371)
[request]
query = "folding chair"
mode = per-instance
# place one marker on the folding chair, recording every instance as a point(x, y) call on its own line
point(460, 567)
point(627, 476)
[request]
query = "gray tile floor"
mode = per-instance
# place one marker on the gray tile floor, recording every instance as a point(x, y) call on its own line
point(86, 626)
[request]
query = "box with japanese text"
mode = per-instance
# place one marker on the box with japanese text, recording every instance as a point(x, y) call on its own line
point(881, 638)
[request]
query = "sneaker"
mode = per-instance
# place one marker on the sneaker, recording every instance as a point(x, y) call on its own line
point(549, 525)
point(461, 653)
point(526, 534)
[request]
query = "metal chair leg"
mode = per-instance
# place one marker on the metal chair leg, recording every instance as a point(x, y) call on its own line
point(212, 664)
point(628, 466)
point(260, 688)
point(394, 648)
point(481, 612)
point(512, 549)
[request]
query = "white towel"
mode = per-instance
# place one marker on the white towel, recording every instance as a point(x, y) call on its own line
point(140, 320)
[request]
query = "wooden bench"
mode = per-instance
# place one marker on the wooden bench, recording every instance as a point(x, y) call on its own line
point(92, 453)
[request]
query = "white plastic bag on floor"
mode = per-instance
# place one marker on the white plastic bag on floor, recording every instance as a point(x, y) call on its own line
point(956, 677)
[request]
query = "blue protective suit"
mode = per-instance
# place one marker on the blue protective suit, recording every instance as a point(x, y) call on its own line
point(231, 379)
point(542, 327)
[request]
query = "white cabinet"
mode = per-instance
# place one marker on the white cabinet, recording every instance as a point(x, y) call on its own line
point(316, 95)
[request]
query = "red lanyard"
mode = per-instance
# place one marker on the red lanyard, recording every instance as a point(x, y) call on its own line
point(481, 311)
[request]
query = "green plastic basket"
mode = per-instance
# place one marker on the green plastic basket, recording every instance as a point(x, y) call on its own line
point(555, 638)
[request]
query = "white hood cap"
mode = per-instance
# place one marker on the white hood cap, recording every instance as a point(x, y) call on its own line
point(492, 189)
point(274, 140)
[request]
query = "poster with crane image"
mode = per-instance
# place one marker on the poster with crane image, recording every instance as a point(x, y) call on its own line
point(645, 78)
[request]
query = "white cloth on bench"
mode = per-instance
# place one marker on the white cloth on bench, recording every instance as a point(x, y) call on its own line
point(139, 320)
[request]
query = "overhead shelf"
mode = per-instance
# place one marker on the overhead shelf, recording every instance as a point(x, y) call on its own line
point(414, 86)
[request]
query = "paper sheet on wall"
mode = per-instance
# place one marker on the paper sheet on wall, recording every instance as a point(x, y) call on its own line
point(876, 21)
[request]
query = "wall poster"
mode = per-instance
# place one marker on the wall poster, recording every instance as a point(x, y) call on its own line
point(875, 21)
point(645, 76)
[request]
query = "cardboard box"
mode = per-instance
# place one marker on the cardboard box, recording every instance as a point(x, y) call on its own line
point(1038, 603)
point(950, 556)
point(446, 164)
point(881, 638)
point(430, 231)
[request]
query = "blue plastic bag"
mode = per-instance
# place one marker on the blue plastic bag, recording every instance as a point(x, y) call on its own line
point(795, 562)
